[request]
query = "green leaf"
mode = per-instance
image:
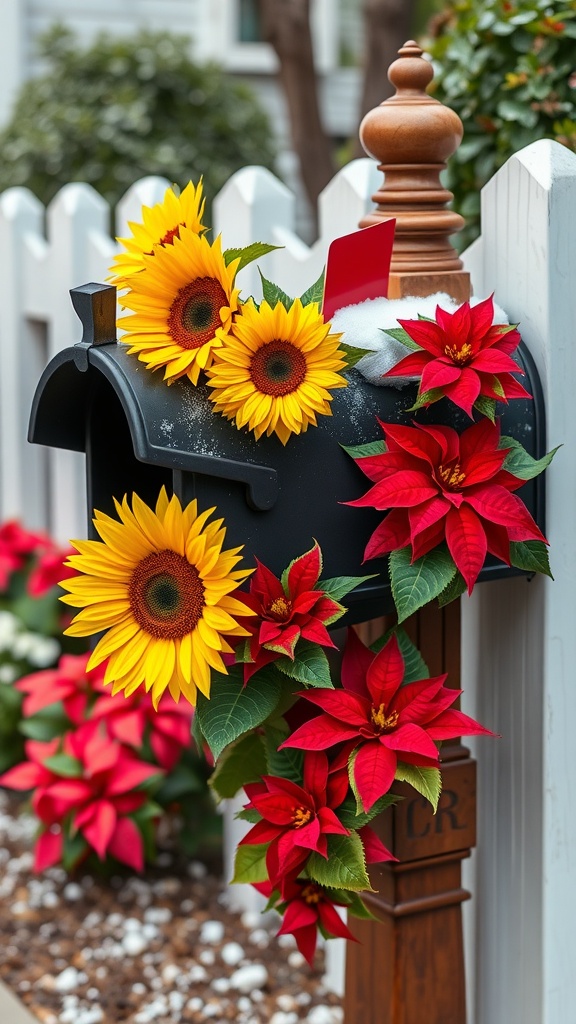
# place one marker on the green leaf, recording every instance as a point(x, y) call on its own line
point(273, 294)
point(249, 815)
point(426, 781)
point(363, 451)
point(454, 590)
point(64, 764)
point(315, 293)
point(530, 555)
point(348, 815)
point(287, 763)
point(310, 665)
point(358, 908)
point(345, 866)
point(401, 335)
point(352, 781)
point(73, 850)
point(339, 586)
point(428, 319)
point(414, 665)
point(354, 354)
point(248, 253)
point(242, 762)
point(416, 584)
point(180, 782)
point(44, 727)
point(235, 709)
point(250, 863)
point(426, 398)
point(486, 407)
point(520, 463)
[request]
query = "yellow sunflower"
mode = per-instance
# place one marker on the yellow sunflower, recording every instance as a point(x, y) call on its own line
point(161, 224)
point(183, 303)
point(275, 371)
point(160, 584)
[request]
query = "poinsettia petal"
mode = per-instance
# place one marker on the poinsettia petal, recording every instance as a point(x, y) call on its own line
point(98, 832)
point(315, 775)
point(410, 366)
point(333, 923)
point(392, 533)
point(276, 808)
point(428, 539)
point(304, 572)
point(455, 723)
point(374, 771)
point(498, 541)
point(165, 750)
point(426, 515)
point(317, 633)
point(493, 360)
point(309, 837)
point(480, 437)
point(330, 824)
point(265, 584)
point(298, 914)
point(129, 727)
point(414, 699)
point(126, 844)
point(306, 939)
point(482, 466)
point(385, 673)
point(350, 708)
point(465, 390)
point(356, 661)
point(130, 774)
point(320, 734)
point(261, 832)
point(466, 543)
point(374, 849)
point(410, 738)
point(425, 333)
point(414, 442)
point(24, 776)
point(447, 440)
point(512, 388)
point(405, 488)
point(48, 850)
point(496, 504)
point(378, 467)
point(437, 374)
point(481, 319)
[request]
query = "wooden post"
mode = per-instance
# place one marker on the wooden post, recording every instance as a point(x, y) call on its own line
point(410, 966)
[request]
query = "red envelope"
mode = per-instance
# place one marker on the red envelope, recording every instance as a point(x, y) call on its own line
point(358, 267)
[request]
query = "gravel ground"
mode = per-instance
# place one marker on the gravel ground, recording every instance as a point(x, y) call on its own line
point(130, 950)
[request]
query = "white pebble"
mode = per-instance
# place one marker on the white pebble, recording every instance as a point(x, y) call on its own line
point(176, 1001)
point(232, 953)
point(197, 870)
point(50, 900)
point(248, 978)
point(250, 919)
point(138, 988)
point(295, 959)
point(284, 1018)
point(257, 995)
point(220, 985)
point(132, 924)
point(150, 931)
point(157, 915)
point(212, 932)
point(113, 920)
point(194, 1004)
point(244, 1004)
point(170, 972)
point(72, 892)
point(134, 943)
point(197, 973)
point(67, 980)
point(92, 993)
point(324, 1015)
point(186, 906)
point(303, 998)
point(286, 1002)
point(286, 941)
point(207, 957)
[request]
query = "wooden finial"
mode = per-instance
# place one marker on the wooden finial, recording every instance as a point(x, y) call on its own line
point(412, 135)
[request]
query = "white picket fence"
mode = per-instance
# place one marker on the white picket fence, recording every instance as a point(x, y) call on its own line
point(518, 638)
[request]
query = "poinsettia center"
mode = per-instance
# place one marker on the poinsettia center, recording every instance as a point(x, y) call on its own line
point(166, 595)
point(459, 355)
point(301, 816)
point(312, 894)
point(195, 312)
point(280, 609)
point(278, 368)
point(451, 475)
point(382, 721)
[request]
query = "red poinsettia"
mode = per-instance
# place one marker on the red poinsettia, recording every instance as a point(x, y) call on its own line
point(97, 800)
point(463, 356)
point(69, 682)
point(296, 819)
point(128, 718)
point(287, 611)
point(382, 720)
point(443, 486)
point(306, 907)
point(50, 570)
point(16, 543)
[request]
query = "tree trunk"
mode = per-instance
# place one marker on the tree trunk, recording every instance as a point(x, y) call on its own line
point(387, 26)
point(286, 25)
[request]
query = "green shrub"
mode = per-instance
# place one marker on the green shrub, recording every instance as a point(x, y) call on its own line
point(124, 108)
point(508, 68)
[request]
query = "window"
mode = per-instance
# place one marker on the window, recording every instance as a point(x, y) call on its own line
point(249, 28)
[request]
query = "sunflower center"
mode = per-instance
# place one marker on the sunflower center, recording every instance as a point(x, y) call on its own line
point(301, 816)
point(451, 476)
point(195, 312)
point(383, 722)
point(278, 368)
point(459, 355)
point(280, 609)
point(166, 595)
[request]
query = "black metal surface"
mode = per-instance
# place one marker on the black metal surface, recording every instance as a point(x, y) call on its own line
point(139, 433)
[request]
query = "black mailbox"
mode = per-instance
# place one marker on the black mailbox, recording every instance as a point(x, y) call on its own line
point(138, 434)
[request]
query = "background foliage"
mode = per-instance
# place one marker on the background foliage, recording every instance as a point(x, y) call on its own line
point(508, 68)
point(124, 108)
